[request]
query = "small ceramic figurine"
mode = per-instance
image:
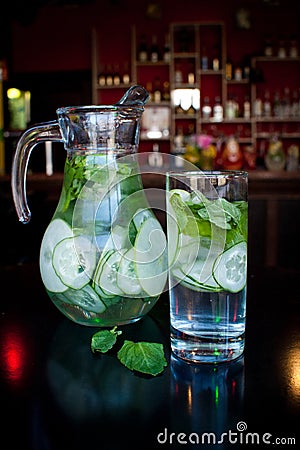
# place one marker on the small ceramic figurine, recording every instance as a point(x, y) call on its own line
point(232, 156)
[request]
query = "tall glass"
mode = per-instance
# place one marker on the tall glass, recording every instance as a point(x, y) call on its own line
point(207, 227)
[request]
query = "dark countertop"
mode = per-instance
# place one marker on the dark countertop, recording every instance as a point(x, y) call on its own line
point(57, 395)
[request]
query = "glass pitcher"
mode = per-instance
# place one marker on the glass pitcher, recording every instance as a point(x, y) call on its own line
point(103, 255)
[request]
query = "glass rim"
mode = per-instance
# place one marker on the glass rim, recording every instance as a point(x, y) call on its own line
point(67, 110)
point(207, 173)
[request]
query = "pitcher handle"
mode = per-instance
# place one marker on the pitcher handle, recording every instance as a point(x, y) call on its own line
point(47, 131)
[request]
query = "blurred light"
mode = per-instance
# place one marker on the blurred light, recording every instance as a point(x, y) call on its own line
point(186, 98)
point(293, 373)
point(13, 356)
point(13, 93)
point(154, 134)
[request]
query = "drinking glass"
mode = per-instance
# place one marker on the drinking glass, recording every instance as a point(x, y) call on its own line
point(207, 229)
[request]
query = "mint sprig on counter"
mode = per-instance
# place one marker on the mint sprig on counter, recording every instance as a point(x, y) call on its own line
point(104, 340)
point(144, 357)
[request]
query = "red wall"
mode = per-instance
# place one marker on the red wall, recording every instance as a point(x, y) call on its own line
point(59, 38)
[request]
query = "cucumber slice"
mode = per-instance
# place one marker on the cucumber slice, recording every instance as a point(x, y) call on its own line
point(107, 274)
point(86, 298)
point(191, 283)
point(56, 231)
point(126, 275)
point(230, 268)
point(74, 261)
point(150, 255)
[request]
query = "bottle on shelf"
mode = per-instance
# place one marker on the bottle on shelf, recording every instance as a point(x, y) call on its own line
point(295, 106)
point(216, 64)
point(157, 91)
point(286, 103)
point(216, 59)
point(149, 88)
point(166, 91)
point(155, 159)
point(218, 110)
point(268, 48)
point(247, 108)
point(277, 104)
point(230, 109)
point(178, 74)
point(238, 73)
point(116, 75)
point(267, 109)
point(204, 59)
point(126, 74)
point(228, 70)
point(101, 77)
point(293, 49)
point(109, 75)
point(258, 107)
point(178, 149)
point(206, 108)
point(191, 78)
point(281, 49)
point(154, 50)
point(142, 55)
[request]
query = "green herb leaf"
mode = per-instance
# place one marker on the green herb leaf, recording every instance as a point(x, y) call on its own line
point(145, 357)
point(104, 340)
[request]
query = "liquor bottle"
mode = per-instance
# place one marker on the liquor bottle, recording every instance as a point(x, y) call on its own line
point(116, 75)
point(267, 110)
point(293, 50)
point(286, 102)
point(191, 77)
point(277, 110)
point(247, 108)
point(281, 49)
point(178, 74)
point(228, 71)
point(178, 149)
point(268, 50)
point(218, 110)
point(101, 77)
point(154, 50)
point(204, 59)
point(142, 50)
point(149, 88)
point(230, 109)
point(295, 106)
point(109, 76)
point(216, 59)
point(206, 108)
point(155, 159)
point(238, 73)
point(166, 91)
point(126, 74)
point(157, 92)
point(258, 107)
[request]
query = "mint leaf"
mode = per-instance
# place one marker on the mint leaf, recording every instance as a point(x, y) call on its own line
point(145, 357)
point(104, 340)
